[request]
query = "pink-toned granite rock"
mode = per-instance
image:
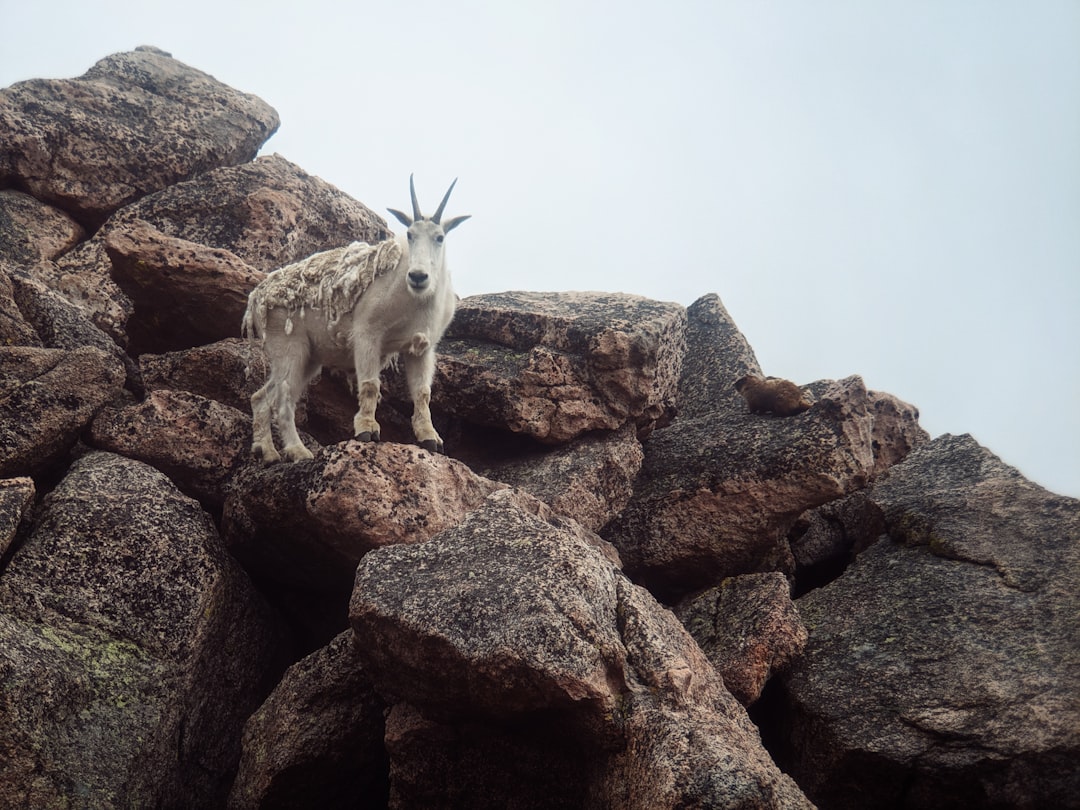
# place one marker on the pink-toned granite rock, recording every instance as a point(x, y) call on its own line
point(553, 366)
point(749, 628)
point(133, 124)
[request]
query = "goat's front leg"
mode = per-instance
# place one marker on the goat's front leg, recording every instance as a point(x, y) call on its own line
point(368, 366)
point(419, 371)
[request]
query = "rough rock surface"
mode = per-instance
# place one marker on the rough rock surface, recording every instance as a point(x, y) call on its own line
point(197, 442)
point(505, 619)
point(181, 291)
point(134, 123)
point(31, 231)
point(589, 480)
point(317, 741)
point(58, 323)
point(717, 494)
point(16, 497)
point(749, 628)
point(131, 647)
point(556, 365)
point(717, 355)
point(267, 213)
point(824, 540)
point(47, 396)
point(943, 667)
point(14, 328)
point(309, 523)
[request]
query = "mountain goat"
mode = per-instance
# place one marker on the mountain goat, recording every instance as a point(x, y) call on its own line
point(355, 307)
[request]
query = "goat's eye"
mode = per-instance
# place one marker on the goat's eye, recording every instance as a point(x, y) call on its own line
point(439, 238)
point(408, 236)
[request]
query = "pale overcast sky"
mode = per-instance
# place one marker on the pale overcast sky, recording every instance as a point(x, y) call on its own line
point(884, 188)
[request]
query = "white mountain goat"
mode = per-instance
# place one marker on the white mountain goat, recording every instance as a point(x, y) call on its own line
point(354, 307)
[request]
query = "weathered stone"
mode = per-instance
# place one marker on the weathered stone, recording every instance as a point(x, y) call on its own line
point(749, 628)
point(47, 396)
point(308, 524)
point(589, 480)
point(31, 231)
point(824, 540)
point(317, 741)
point(14, 329)
point(197, 442)
point(718, 493)
point(896, 430)
point(184, 293)
point(16, 495)
point(131, 647)
point(267, 213)
point(717, 355)
point(135, 123)
point(943, 667)
point(556, 365)
point(59, 323)
point(506, 619)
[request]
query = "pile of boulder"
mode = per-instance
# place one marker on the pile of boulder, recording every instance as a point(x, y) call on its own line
point(619, 589)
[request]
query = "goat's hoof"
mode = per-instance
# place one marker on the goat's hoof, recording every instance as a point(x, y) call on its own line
point(267, 455)
point(298, 453)
point(433, 445)
point(368, 436)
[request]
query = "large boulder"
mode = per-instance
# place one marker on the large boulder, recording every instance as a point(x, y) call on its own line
point(131, 647)
point(942, 667)
point(47, 396)
point(264, 214)
point(509, 641)
point(553, 366)
point(317, 741)
point(184, 293)
point(718, 493)
point(197, 442)
point(133, 124)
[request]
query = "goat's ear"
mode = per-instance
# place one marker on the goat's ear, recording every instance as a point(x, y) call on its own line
point(450, 224)
point(402, 218)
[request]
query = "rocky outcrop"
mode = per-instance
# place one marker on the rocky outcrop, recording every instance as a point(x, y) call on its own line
point(553, 366)
point(317, 741)
point(133, 124)
point(718, 493)
point(508, 621)
point(131, 647)
point(452, 630)
point(942, 667)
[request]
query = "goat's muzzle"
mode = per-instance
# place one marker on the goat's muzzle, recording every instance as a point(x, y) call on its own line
point(418, 280)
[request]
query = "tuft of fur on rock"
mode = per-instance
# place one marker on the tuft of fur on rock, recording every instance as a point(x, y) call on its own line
point(772, 395)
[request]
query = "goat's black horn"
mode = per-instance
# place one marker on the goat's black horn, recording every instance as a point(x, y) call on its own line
point(416, 215)
point(438, 214)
